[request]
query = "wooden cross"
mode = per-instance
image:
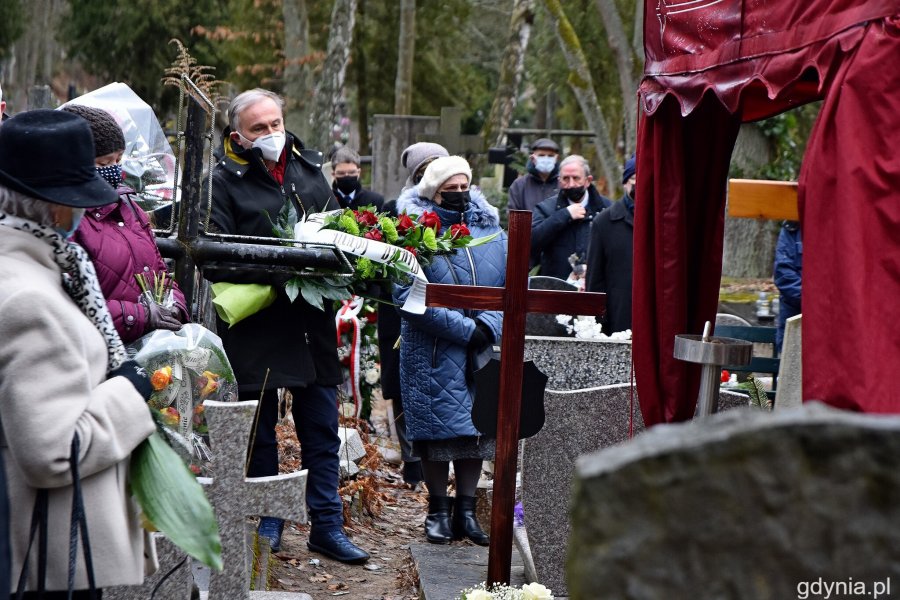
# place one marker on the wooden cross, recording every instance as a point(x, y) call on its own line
point(759, 199)
point(515, 300)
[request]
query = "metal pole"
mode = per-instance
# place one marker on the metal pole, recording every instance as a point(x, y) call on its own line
point(189, 207)
point(708, 398)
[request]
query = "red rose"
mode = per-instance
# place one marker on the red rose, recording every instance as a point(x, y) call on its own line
point(430, 219)
point(725, 375)
point(366, 217)
point(412, 249)
point(404, 224)
point(373, 234)
point(458, 230)
point(372, 317)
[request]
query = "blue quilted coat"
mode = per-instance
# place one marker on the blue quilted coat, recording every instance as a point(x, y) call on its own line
point(437, 399)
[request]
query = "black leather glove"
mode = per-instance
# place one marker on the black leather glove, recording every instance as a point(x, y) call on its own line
point(159, 317)
point(481, 337)
point(138, 377)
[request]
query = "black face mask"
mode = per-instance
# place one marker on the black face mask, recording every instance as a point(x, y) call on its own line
point(573, 194)
point(631, 193)
point(458, 201)
point(346, 184)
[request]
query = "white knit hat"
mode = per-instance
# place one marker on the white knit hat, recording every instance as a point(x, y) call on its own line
point(439, 171)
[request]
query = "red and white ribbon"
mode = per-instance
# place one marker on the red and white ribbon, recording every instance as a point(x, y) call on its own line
point(348, 313)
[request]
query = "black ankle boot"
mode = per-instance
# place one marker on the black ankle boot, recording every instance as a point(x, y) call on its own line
point(465, 525)
point(437, 523)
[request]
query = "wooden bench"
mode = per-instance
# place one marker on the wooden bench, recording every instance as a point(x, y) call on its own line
point(758, 364)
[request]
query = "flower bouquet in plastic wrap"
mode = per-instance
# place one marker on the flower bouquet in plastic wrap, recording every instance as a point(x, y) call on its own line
point(186, 367)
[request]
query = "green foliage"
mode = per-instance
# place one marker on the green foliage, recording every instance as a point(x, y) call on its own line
point(127, 40)
point(788, 133)
point(12, 24)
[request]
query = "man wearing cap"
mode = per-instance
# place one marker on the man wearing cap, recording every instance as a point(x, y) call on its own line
point(287, 344)
point(541, 181)
point(560, 225)
point(609, 263)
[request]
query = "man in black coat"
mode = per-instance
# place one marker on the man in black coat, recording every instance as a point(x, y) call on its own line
point(286, 345)
point(347, 187)
point(560, 225)
point(609, 263)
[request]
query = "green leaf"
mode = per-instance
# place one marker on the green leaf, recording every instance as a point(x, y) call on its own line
point(312, 294)
point(293, 287)
point(174, 502)
point(483, 240)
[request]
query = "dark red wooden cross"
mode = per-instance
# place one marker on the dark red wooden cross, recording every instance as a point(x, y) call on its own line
point(515, 300)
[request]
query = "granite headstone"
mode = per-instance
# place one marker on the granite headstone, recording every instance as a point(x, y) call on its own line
point(790, 372)
point(741, 504)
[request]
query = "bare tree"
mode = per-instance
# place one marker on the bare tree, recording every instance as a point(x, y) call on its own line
point(512, 68)
point(330, 86)
point(405, 57)
point(36, 56)
point(625, 63)
point(582, 85)
point(297, 76)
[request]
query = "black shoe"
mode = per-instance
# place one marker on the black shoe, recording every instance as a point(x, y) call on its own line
point(465, 525)
point(437, 523)
point(336, 545)
point(271, 528)
point(412, 473)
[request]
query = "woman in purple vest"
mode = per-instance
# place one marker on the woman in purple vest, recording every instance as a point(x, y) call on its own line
point(119, 239)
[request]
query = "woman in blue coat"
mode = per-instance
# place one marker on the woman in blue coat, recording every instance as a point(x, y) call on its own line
point(435, 377)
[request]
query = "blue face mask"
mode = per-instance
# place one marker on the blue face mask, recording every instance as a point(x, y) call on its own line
point(544, 164)
point(111, 173)
point(77, 213)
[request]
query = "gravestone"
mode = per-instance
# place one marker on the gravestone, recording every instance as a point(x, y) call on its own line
point(790, 372)
point(572, 364)
point(171, 581)
point(743, 504)
point(544, 324)
point(391, 134)
point(351, 451)
point(236, 497)
point(577, 422)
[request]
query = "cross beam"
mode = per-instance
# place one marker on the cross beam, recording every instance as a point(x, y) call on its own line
point(760, 199)
point(515, 300)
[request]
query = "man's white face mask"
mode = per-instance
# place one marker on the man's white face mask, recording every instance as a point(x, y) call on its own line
point(270, 145)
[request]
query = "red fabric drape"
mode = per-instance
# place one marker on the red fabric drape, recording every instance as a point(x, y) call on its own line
point(850, 213)
point(711, 64)
point(679, 224)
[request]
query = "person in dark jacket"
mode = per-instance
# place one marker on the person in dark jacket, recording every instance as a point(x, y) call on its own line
point(435, 347)
point(347, 186)
point(560, 225)
point(788, 275)
point(286, 345)
point(541, 179)
point(609, 262)
point(120, 241)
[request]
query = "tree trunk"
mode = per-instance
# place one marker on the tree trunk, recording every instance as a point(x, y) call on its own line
point(297, 78)
point(512, 67)
point(330, 89)
point(405, 57)
point(628, 83)
point(749, 249)
point(34, 58)
point(362, 88)
point(582, 85)
point(637, 40)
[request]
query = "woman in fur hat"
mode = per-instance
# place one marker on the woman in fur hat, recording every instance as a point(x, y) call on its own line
point(435, 375)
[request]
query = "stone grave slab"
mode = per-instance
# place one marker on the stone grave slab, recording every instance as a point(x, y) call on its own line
point(572, 364)
point(445, 570)
point(790, 372)
point(544, 324)
point(172, 580)
point(577, 422)
point(351, 451)
point(741, 504)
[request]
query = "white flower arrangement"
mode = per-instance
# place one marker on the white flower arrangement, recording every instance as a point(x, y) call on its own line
point(587, 328)
point(499, 591)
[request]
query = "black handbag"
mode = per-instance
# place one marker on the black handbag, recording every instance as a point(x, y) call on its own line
point(39, 519)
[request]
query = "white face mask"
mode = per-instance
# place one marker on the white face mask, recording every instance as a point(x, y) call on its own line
point(544, 164)
point(270, 145)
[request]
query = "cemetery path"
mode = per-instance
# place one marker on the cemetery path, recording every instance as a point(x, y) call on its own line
point(389, 574)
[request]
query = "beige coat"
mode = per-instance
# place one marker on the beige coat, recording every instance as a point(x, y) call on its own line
point(52, 384)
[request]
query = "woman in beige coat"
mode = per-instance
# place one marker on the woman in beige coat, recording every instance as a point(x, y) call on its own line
point(62, 367)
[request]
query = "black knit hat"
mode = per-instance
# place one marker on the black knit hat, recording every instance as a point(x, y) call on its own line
point(108, 136)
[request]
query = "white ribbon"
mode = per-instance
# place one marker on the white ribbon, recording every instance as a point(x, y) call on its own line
point(349, 313)
point(310, 230)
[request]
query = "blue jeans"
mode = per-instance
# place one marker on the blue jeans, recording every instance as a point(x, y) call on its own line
point(316, 418)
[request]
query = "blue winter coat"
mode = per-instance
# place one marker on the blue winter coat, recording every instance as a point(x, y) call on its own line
point(788, 275)
point(437, 398)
